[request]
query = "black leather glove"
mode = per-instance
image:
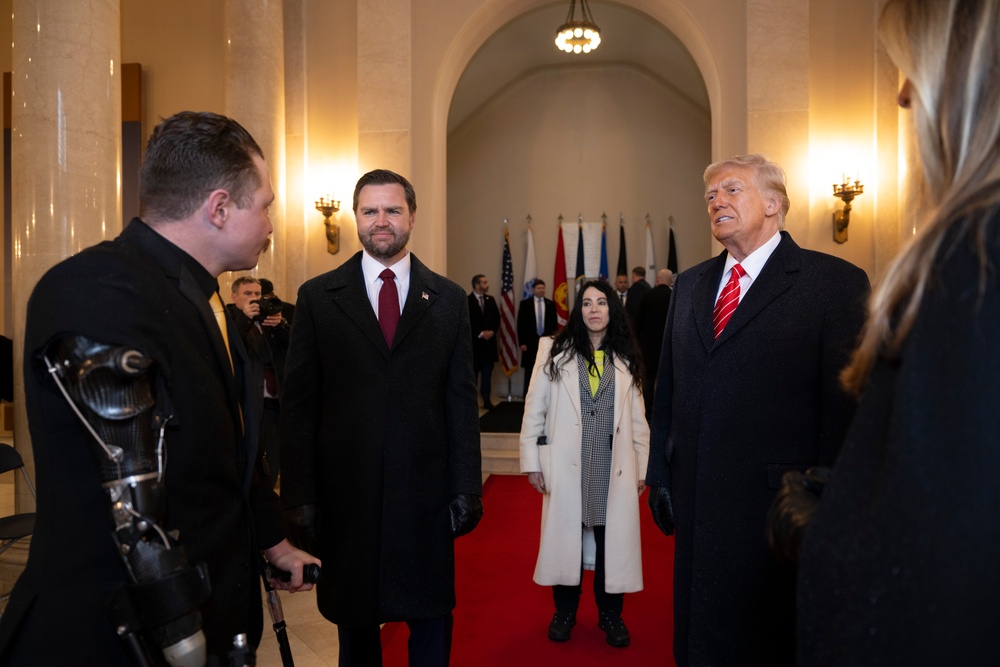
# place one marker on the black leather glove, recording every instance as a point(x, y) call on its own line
point(793, 509)
point(662, 508)
point(464, 511)
point(304, 527)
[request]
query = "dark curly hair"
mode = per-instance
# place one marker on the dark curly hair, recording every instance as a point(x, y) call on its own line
point(619, 341)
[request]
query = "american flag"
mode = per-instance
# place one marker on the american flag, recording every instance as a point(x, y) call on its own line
point(508, 328)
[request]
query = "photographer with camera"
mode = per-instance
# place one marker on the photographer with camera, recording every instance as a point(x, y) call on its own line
point(264, 331)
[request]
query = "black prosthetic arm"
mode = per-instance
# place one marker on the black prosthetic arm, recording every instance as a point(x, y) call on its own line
point(111, 390)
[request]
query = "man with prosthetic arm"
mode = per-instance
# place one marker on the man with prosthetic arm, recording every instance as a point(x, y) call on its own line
point(143, 421)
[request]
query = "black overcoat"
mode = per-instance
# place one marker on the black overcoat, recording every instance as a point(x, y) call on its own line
point(380, 440)
point(137, 290)
point(650, 322)
point(730, 416)
point(900, 563)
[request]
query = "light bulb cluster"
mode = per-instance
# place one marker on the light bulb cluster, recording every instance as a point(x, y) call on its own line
point(578, 37)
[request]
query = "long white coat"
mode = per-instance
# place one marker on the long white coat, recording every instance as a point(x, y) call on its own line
point(552, 409)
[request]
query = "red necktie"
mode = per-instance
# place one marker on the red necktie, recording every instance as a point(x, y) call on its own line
point(388, 306)
point(728, 300)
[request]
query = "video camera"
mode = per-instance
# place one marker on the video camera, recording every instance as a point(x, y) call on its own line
point(269, 305)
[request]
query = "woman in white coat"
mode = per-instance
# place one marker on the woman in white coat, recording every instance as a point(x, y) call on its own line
point(584, 444)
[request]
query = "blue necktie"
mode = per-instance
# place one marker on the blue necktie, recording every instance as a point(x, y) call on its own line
point(540, 315)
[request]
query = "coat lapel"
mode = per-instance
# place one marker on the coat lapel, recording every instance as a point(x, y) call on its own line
point(566, 363)
point(774, 279)
point(703, 299)
point(423, 292)
point(189, 288)
point(349, 294)
point(623, 384)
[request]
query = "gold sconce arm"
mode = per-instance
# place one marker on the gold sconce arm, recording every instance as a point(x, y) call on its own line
point(328, 207)
point(846, 191)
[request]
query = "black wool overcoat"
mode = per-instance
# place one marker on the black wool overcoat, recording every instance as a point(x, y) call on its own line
point(899, 565)
point(380, 438)
point(138, 291)
point(730, 416)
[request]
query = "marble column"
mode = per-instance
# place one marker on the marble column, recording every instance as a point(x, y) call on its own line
point(385, 107)
point(66, 150)
point(255, 97)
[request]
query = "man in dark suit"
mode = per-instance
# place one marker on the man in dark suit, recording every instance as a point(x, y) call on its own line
point(747, 389)
point(649, 324)
point(145, 297)
point(380, 433)
point(484, 316)
point(265, 338)
point(636, 291)
point(536, 318)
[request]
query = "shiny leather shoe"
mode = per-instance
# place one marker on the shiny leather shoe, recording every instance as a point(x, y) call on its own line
point(562, 623)
point(614, 628)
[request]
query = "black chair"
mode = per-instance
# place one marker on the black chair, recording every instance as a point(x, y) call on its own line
point(15, 526)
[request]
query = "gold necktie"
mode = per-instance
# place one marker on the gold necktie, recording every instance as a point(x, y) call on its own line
point(220, 318)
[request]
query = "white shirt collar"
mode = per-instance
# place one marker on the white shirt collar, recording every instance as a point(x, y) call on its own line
point(371, 268)
point(753, 263)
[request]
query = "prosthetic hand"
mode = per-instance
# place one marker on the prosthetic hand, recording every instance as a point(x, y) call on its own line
point(793, 509)
point(111, 390)
point(663, 508)
point(464, 512)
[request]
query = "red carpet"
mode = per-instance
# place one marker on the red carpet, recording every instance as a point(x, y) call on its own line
point(502, 615)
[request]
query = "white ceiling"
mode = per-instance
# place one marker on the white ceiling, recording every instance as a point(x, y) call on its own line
point(628, 39)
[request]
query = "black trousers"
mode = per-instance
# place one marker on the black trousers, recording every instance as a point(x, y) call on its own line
point(429, 644)
point(567, 598)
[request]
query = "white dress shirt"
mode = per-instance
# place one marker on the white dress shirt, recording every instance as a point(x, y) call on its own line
point(752, 264)
point(371, 268)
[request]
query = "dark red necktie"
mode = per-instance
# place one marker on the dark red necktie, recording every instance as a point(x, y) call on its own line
point(388, 306)
point(728, 300)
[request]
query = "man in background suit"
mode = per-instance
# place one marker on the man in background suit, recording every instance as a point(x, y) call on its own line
point(380, 433)
point(266, 342)
point(747, 389)
point(267, 292)
point(649, 324)
point(636, 291)
point(536, 318)
point(484, 316)
point(204, 194)
point(621, 288)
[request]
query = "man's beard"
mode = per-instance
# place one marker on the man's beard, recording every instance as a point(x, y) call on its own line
point(388, 250)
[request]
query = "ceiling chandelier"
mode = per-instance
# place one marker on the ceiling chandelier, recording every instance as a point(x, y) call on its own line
point(578, 36)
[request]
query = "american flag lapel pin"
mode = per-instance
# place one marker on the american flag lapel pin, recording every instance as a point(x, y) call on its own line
point(423, 295)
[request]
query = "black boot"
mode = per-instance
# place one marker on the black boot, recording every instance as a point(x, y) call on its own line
point(562, 623)
point(614, 629)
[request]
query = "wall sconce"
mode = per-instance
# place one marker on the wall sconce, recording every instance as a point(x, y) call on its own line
point(841, 219)
point(328, 207)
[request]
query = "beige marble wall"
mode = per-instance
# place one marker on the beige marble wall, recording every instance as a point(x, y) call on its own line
point(778, 96)
point(375, 78)
point(66, 148)
point(253, 32)
point(180, 47)
point(384, 94)
point(332, 125)
point(295, 148)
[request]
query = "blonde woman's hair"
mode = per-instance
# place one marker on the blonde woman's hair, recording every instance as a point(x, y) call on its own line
point(949, 50)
